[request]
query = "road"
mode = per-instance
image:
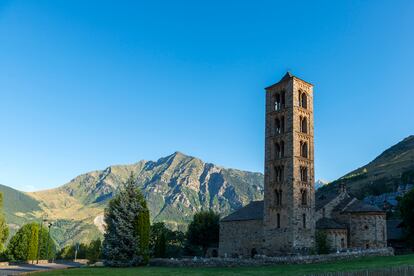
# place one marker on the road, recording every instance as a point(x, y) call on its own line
point(25, 268)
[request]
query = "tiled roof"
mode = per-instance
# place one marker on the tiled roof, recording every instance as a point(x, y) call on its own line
point(252, 211)
point(328, 223)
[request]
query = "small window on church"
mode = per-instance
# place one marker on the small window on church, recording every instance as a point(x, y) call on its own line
point(366, 227)
point(278, 220)
point(282, 149)
point(282, 124)
point(304, 221)
point(282, 99)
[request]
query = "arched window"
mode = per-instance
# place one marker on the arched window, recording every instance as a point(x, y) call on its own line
point(303, 100)
point(303, 174)
point(278, 220)
point(278, 151)
point(304, 149)
point(304, 125)
point(282, 99)
point(304, 197)
point(282, 149)
point(278, 197)
point(277, 101)
point(278, 173)
point(282, 124)
point(278, 126)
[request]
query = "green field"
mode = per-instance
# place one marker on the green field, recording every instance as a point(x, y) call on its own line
point(360, 264)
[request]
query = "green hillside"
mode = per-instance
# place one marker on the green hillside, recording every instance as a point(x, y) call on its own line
point(18, 206)
point(391, 168)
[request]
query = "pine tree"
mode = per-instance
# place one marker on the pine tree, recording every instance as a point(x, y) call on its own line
point(4, 229)
point(127, 227)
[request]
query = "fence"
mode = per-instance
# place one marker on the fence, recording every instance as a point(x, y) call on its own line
point(391, 271)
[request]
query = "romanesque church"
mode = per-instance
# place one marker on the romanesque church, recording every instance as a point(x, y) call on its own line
point(286, 220)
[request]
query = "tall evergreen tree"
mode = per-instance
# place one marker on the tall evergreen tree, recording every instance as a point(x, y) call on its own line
point(4, 229)
point(127, 227)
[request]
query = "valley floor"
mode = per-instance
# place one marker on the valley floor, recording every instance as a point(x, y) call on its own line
point(305, 269)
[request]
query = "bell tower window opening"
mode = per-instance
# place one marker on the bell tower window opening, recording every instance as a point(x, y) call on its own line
point(303, 100)
point(278, 103)
point(303, 124)
point(304, 221)
point(278, 197)
point(278, 220)
point(278, 170)
point(304, 197)
point(304, 149)
point(303, 174)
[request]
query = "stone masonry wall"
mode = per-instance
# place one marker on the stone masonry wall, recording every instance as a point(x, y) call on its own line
point(263, 260)
point(239, 238)
point(368, 231)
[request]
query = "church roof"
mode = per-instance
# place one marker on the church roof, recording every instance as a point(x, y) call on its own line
point(361, 207)
point(328, 223)
point(287, 76)
point(322, 200)
point(252, 211)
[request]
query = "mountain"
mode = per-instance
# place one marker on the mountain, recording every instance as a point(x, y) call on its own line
point(175, 187)
point(320, 183)
point(391, 168)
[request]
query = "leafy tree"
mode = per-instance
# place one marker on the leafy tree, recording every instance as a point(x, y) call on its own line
point(68, 252)
point(203, 231)
point(406, 208)
point(165, 242)
point(23, 245)
point(94, 251)
point(322, 246)
point(127, 227)
point(4, 229)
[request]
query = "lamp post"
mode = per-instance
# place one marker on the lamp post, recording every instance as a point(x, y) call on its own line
point(48, 238)
point(39, 238)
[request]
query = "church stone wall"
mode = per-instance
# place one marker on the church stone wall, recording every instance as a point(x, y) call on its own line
point(337, 238)
point(368, 230)
point(240, 238)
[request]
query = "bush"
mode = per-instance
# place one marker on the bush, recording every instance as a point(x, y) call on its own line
point(322, 245)
point(165, 242)
point(203, 231)
point(94, 251)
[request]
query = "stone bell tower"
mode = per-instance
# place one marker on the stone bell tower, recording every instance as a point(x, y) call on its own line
point(289, 195)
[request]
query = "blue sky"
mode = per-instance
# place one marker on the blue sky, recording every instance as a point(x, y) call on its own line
point(88, 84)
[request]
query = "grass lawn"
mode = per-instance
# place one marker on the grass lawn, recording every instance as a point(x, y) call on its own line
point(360, 264)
